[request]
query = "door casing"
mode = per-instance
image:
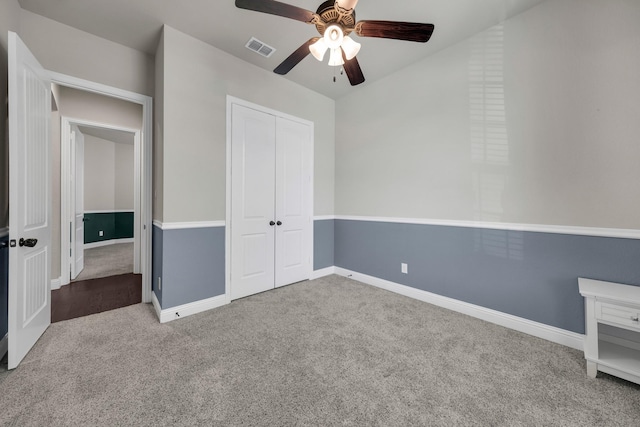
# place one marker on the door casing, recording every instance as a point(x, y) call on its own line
point(67, 222)
point(77, 195)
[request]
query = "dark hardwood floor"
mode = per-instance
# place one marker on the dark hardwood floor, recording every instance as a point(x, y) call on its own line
point(95, 296)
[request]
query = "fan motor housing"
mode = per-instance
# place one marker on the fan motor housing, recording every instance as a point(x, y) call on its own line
point(329, 15)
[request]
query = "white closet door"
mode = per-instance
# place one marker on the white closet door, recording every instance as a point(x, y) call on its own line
point(253, 198)
point(293, 210)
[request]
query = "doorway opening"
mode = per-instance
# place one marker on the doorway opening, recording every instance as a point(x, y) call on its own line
point(102, 240)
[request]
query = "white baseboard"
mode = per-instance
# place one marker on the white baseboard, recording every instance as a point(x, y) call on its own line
point(316, 274)
point(107, 243)
point(540, 330)
point(185, 310)
point(4, 345)
point(56, 283)
point(156, 305)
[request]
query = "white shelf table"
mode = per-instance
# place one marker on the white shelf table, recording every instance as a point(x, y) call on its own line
point(617, 306)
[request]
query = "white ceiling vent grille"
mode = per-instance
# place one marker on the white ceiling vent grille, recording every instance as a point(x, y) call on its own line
point(257, 46)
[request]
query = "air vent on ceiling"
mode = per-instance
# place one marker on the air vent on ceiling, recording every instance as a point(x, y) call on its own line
point(257, 46)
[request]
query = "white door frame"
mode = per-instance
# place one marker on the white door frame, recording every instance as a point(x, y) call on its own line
point(227, 230)
point(145, 164)
point(76, 187)
point(66, 194)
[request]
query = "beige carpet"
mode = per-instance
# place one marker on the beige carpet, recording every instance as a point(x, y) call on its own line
point(330, 352)
point(107, 261)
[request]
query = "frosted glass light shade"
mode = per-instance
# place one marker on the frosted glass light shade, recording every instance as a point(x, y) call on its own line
point(350, 47)
point(318, 49)
point(347, 4)
point(333, 36)
point(336, 58)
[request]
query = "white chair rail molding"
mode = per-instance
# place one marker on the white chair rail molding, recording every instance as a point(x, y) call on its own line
point(612, 316)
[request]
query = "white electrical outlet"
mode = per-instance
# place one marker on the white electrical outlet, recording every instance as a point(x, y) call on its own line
point(404, 268)
point(100, 233)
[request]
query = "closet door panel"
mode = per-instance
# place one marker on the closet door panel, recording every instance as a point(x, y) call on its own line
point(293, 210)
point(253, 195)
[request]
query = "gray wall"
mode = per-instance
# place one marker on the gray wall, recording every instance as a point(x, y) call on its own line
point(531, 122)
point(323, 244)
point(526, 274)
point(156, 262)
point(192, 265)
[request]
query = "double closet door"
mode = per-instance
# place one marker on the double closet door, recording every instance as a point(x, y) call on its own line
point(271, 189)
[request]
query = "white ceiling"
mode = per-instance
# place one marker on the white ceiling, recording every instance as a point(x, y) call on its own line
point(137, 24)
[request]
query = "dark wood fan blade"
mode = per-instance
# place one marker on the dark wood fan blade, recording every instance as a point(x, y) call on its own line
point(411, 31)
point(277, 8)
point(297, 56)
point(353, 70)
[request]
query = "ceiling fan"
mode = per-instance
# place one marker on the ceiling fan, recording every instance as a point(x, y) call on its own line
point(335, 20)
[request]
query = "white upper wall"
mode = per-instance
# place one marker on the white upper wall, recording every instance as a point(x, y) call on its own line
point(158, 132)
point(99, 174)
point(534, 121)
point(70, 51)
point(124, 180)
point(89, 106)
point(197, 80)
point(108, 175)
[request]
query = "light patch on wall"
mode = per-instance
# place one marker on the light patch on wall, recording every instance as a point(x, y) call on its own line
point(490, 142)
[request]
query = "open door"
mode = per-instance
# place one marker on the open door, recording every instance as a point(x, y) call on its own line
point(29, 200)
point(77, 180)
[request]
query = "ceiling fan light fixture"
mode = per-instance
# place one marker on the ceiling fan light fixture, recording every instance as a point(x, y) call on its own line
point(336, 58)
point(350, 48)
point(333, 36)
point(318, 49)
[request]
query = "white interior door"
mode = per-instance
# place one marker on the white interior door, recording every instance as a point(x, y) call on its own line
point(253, 198)
point(293, 210)
point(78, 208)
point(29, 200)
